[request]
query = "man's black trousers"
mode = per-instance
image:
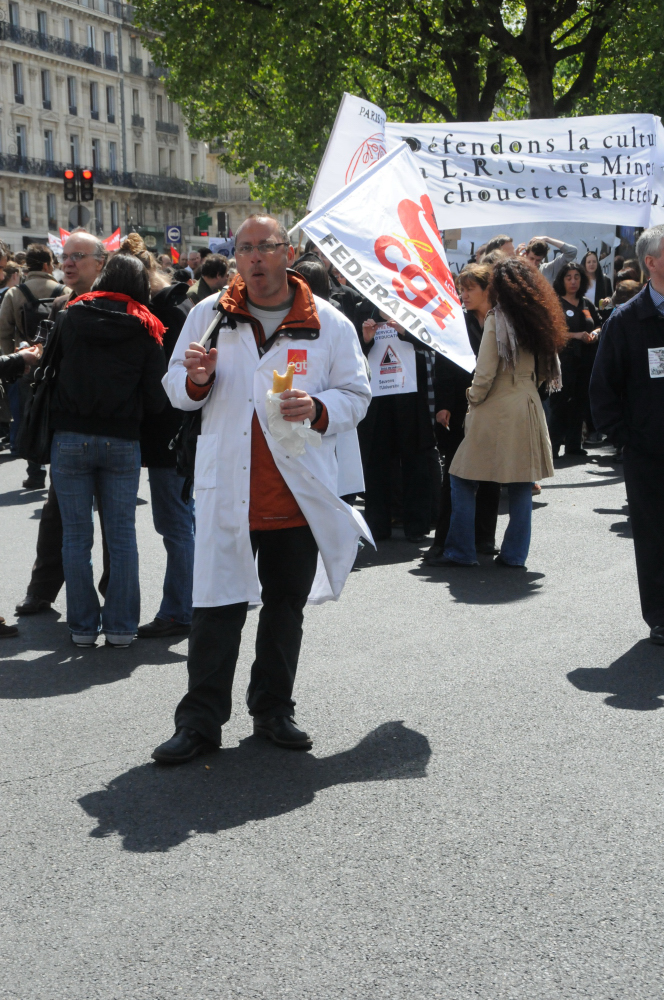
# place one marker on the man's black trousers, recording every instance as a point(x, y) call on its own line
point(644, 479)
point(287, 559)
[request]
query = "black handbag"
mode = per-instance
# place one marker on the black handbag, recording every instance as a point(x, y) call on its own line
point(35, 434)
point(185, 441)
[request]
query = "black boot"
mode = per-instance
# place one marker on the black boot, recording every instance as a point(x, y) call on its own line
point(184, 745)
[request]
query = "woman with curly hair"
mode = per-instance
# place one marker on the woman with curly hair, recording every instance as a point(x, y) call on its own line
point(506, 438)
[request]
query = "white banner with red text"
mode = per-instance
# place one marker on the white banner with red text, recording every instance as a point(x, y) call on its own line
point(382, 235)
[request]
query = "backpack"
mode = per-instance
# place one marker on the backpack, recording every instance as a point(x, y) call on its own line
point(34, 310)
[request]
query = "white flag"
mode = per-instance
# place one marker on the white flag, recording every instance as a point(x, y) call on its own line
point(381, 233)
point(604, 169)
point(356, 142)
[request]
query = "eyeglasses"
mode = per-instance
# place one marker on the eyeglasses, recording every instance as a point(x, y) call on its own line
point(246, 248)
point(74, 257)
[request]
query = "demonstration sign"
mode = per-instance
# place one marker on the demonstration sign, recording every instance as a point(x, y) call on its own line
point(356, 142)
point(382, 235)
point(606, 168)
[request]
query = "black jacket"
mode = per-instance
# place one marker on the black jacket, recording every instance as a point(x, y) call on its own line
point(452, 381)
point(109, 372)
point(11, 367)
point(627, 402)
point(172, 307)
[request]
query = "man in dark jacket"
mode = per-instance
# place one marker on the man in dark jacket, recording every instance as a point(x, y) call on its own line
point(627, 401)
point(212, 279)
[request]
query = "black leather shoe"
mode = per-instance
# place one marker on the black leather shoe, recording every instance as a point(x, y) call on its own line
point(442, 561)
point(31, 605)
point(34, 484)
point(7, 631)
point(162, 626)
point(657, 635)
point(487, 549)
point(184, 745)
point(283, 731)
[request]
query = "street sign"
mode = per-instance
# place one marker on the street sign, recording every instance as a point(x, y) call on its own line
point(174, 234)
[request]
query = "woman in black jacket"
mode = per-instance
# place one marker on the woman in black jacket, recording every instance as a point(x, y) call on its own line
point(451, 408)
point(599, 286)
point(569, 406)
point(109, 375)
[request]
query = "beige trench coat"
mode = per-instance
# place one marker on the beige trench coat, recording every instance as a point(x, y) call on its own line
point(506, 438)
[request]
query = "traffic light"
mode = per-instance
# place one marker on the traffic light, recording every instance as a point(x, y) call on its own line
point(70, 185)
point(87, 184)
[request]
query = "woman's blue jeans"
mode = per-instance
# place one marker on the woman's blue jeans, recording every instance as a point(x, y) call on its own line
point(173, 519)
point(78, 462)
point(460, 541)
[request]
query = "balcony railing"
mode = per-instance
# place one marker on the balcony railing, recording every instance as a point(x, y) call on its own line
point(110, 119)
point(15, 164)
point(19, 98)
point(73, 109)
point(94, 115)
point(234, 194)
point(3, 223)
point(110, 62)
point(46, 105)
point(155, 71)
point(168, 127)
point(49, 43)
point(137, 121)
point(135, 66)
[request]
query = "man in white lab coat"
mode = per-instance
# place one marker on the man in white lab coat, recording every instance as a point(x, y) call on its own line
point(270, 526)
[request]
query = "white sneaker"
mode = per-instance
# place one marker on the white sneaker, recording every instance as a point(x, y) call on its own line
point(83, 640)
point(119, 640)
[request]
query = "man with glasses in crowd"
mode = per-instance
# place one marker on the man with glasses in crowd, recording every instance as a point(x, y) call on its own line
point(83, 257)
point(264, 511)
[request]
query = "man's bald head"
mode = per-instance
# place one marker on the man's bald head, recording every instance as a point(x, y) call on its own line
point(80, 273)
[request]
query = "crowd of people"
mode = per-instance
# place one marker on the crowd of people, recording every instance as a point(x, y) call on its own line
point(153, 362)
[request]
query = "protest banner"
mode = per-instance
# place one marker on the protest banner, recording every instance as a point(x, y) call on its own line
point(356, 142)
point(382, 235)
point(604, 168)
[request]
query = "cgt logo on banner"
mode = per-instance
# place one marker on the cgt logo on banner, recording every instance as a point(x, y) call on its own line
point(381, 233)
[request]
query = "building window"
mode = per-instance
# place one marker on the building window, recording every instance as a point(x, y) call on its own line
point(138, 159)
point(69, 29)
point(2, 207)
point(24, 208)
point(171, 112)
point(74, 157)
point(194, 166)
point(22, 140)
point(161, 161)
point(13, 15)
point(46, 89)
point(71, 95)
point(160, 108)
point(172, 164)
point(115, 215)
point(110, 104)
point(94, 100)
point(99, 217)
point(51, 211)
point(96, 154)
point(41, 22)
point(133, 47)
point(18, 84)
point(108, 43)
point(48, 145)
point(135, 102)
point(113, 156)
point(91, 36)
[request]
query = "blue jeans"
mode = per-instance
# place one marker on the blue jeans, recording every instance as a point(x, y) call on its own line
point(460, 541)
point(78, 463)
point(174, 521)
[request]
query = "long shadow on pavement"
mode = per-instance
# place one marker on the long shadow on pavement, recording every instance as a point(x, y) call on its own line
point(634, 681)
point(45, 663)
point(483, 584)
point(155, 807)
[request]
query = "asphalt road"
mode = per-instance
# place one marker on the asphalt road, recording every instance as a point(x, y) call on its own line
point(481, 816)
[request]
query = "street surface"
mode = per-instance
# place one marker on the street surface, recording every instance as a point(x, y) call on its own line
point(480, 817)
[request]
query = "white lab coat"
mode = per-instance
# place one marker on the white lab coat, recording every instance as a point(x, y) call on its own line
point(224, 565)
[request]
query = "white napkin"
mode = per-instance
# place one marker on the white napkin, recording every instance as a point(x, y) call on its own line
point(293, 436)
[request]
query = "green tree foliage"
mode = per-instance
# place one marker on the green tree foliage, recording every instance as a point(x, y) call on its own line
point(266, 76)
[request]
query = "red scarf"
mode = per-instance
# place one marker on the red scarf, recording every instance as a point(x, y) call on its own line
point(153, 325)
